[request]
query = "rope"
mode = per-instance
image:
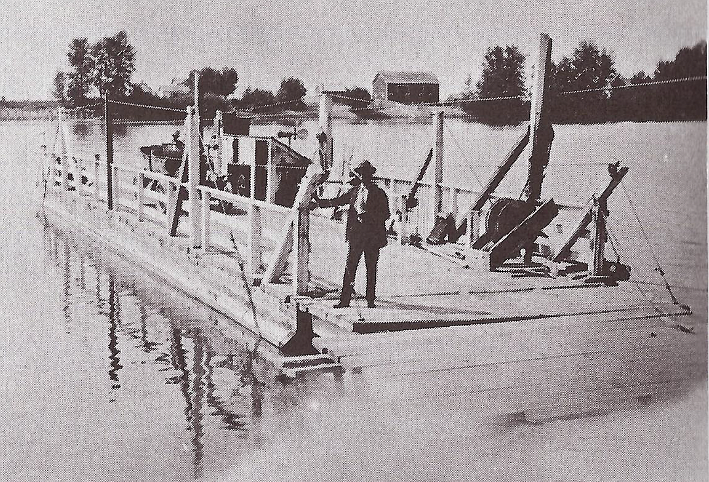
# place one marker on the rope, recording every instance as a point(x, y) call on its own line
point(263, 106)
point(355, 99)
point(479, 99)
point(128, 122)
point(613, 242)
point(629, 86)
point(78, 108)
point(146, 106)
point(658, 267)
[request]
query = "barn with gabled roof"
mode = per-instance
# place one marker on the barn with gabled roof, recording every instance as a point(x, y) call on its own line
point(405, 87)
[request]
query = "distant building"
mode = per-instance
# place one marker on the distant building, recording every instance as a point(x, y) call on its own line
point(175, 88)
point(405, 87)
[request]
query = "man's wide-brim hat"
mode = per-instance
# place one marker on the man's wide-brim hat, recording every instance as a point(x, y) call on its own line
point(365, 168)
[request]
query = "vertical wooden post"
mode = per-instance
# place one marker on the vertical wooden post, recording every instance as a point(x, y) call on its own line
point(402, 235)
point(254, 228)
point(97, 166)
point(541, 133)
point(599, 237)
point(271, 176)
point(108, 124)
point(437, 166)
point(171, 194)
point(254, 238)
point(219, 128)
point(301, 271)
point(116, 188)
point(194, 176)
point(473, 227)
point(206, 206)
point(325, 122)
point(141, 195)
point(454, 203)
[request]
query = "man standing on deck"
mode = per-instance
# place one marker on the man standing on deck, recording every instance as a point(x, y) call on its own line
point(365, 231)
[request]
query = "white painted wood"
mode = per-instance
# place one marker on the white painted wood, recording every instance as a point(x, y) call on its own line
point(255, 246)
point(325, 122)
point(194, 171)
point(206, 207)
point(116, 191)
point(141, 195)
point(437, 166)
point(170, 187)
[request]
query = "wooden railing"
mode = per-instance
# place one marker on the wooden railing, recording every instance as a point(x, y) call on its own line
point(456, 200)
point(152, 196)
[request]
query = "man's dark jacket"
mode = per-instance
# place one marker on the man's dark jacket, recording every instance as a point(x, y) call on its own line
point(370, 226)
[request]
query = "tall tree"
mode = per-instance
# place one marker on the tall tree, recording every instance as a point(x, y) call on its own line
point(502, 76)
point(587, 68)
point(81, 64)
point(503, 73)
point(689, 62)
point(218, 82)
point(114, 64)
point(254, 97)
point(292, 89)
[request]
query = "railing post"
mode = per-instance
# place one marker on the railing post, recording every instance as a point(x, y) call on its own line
point(206, 206)
point(170, 204)
point(254, 228)
point(108, 123)
point(141, 195)
point(194, 176)
point(271, 176)
point(219, 128)
point(97, 165)
point(116, 188)
point(254, 237)
point(473, 227)
point(437, 166)
point(599, 237)
point(325, 122)
point(454, 203)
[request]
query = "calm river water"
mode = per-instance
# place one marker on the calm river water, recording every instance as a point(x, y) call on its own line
point(107, 375)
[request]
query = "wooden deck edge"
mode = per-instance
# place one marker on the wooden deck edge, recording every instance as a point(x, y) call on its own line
point(182, 274)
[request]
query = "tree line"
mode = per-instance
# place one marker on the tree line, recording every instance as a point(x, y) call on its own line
point(107, 66)
point(612, 97)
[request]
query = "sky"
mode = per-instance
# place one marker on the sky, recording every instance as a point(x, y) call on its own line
point(338, 43)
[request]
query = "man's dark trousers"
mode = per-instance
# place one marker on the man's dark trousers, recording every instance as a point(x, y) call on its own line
point(358, 244)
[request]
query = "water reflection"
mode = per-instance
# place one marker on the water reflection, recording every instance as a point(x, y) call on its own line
point(221, 383)
point(113, 321)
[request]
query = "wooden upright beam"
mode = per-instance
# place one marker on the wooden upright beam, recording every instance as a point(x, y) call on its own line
point(108, 123)
point(174, 210)
point(194, 164)
point(437, 165)
point(541, 131)
point(325, 122)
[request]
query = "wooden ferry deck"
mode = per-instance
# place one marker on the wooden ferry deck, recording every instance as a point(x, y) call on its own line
point(530, 348)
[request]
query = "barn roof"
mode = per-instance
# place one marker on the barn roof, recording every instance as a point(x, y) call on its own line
point(393, 77)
